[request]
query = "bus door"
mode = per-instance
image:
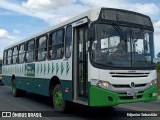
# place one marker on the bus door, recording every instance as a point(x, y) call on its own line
point(80, 64)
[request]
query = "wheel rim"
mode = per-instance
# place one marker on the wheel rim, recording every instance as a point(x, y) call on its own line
point(58, 98)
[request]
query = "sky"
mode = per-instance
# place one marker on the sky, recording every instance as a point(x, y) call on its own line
point(20, 19)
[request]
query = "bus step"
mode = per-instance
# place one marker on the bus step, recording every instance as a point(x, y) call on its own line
point(80, 102)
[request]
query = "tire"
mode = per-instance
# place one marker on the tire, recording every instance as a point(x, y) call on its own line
point(15, 91)
point(60, 105)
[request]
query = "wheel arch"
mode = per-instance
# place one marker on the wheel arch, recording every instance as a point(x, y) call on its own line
point(53, 82)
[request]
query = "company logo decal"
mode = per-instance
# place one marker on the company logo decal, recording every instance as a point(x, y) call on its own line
point(53, 67)
point(62, 67)
point(67, 67)
point(57, 68)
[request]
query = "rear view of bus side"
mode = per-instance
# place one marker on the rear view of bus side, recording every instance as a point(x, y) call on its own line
point(103, 57)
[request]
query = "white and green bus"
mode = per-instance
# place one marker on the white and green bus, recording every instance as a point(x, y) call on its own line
point(102, 57)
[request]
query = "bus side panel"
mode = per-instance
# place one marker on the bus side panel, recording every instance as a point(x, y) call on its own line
point(40, 85)
point(35, 85)
point(67, 89)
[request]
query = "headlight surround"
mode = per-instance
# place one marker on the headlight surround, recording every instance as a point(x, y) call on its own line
point(103, 84)
point(100, 83)
point(153, 82)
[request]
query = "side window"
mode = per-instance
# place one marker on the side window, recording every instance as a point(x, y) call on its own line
point(4, 58)
point(15, 54)
point(68, 41)
point(21, 53)
point(9, 57)
point(56, 44)
point(146, 43)
point(41, 48)
point(30, 51)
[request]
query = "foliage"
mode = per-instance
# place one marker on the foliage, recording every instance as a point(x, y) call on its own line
point(158, 75)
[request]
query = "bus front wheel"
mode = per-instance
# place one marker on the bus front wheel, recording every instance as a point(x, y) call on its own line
point(60, 105)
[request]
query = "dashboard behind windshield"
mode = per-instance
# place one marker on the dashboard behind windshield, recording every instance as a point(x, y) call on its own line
point(121, 46)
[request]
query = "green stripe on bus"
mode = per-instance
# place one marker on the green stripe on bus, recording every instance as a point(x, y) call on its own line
point(100, 97)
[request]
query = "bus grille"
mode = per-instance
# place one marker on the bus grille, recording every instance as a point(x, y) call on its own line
point(128, 86)
point(124, 75)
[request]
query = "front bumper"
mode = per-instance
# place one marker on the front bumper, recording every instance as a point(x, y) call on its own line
point(103, 97)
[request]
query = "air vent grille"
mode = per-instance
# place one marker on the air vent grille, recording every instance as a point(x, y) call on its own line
point(120, 74)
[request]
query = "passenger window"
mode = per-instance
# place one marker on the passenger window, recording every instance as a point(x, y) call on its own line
point(4, 58)
point(41, 50)
point(15, 55)
point(9, 57)
point(30, 51)
point(56, 45)
point(68, 41)
point(21, 53)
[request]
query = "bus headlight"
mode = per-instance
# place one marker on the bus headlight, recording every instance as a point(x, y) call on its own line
point(103, 84)
point(100, 83)
point(153, 82)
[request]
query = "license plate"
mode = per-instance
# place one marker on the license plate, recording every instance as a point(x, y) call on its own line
point(133, 93)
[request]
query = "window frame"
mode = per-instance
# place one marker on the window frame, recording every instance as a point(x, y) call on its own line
point(15, 54)
point(11, 61)
point(5, 57)
point(26, 50)
point(66, 41)
point(51, 46)
point(21, 53)
point(37, 47)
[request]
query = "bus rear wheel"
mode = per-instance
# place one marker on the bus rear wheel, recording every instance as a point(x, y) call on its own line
point(60, 105)
point(15, 91)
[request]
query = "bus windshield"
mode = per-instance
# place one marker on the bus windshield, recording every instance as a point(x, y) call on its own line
point(122, 46)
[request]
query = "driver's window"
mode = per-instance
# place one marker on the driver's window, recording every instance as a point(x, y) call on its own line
point(146, 43)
